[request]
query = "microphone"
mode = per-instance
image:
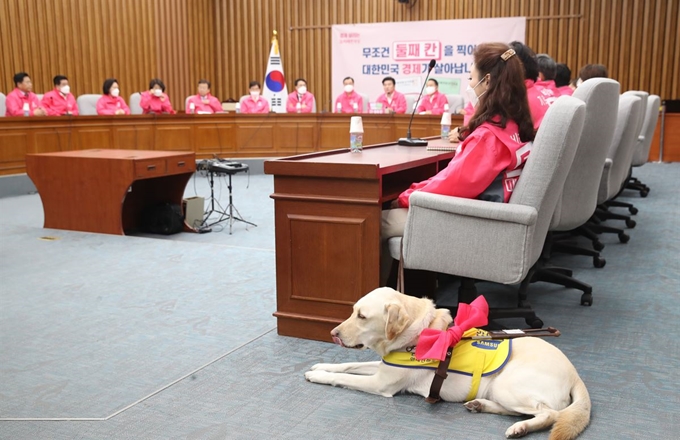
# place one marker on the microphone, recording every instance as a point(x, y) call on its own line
point(408, 140)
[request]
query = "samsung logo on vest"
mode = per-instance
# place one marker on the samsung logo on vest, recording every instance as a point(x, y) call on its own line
point(487, 345)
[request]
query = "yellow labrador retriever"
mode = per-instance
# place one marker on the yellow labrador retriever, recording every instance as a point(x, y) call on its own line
point(537, 379)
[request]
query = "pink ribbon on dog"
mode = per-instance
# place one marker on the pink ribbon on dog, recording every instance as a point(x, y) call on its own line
point(433, 344)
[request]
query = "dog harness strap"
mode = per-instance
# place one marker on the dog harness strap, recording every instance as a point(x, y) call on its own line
point(439, 376)
point(476, 377)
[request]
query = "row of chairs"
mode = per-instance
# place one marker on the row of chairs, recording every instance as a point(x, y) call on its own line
point(87, 104)
point(580, 162)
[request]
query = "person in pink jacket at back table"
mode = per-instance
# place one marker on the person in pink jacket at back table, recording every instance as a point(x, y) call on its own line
point(349, 100)
point(254, 103)
point(203, 102)
point(562, 79)
point(111, 103)
point(546, 77)
point(300, 101)
point(23, 96)
point(392, 101)
point(60, 101)
point(155, 100)
point(435, 102)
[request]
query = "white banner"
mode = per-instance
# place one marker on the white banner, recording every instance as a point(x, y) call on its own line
point(402, 50)
point(275, 90)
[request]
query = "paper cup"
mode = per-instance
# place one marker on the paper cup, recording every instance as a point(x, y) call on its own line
point(446, 118)
point(356, 125)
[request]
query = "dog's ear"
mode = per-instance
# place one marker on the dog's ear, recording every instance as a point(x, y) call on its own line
point(396, 320)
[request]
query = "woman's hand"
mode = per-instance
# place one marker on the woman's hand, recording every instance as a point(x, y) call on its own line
point(453, 136)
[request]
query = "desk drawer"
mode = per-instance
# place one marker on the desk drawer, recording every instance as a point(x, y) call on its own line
point(150, 168)
point(182, 164)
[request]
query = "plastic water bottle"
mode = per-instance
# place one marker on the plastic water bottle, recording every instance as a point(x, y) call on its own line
point(338, 108)
point(237, 107)
point(446, 108)
point(192, 108)
point(356, 135)
point(27, 109)
point(355, 107)
point(446, 125)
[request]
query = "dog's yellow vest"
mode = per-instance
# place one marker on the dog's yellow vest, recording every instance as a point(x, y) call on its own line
point(476, 358)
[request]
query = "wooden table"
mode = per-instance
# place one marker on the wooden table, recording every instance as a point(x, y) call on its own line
point(106, 191)
point(327, 218)
point(229, 135)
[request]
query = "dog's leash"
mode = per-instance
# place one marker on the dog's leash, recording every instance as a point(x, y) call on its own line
point(441, 373)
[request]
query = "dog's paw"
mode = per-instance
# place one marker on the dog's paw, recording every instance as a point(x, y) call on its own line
point(473, 406)
point(322, 367)
point(318, 376)
point(517, 430)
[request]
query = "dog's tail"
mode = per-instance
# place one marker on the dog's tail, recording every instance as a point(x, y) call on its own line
point(572, 420)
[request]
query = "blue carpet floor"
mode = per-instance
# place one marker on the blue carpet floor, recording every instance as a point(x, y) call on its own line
point(173, 338)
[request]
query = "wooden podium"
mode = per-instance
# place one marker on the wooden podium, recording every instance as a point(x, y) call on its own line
point(327, 217)
point(106, 191)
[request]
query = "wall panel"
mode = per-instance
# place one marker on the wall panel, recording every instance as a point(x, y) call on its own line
point(638, 40)
point(227, 41)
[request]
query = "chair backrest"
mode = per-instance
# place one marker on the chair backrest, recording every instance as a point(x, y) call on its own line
point(641, 117)
point(579, 196)
point(87, 104)
point(641, 154)
point(456, 103)
point(410, 103)
point(552, 153)
point(620, 152)
point(3, 105)
point(135, 108)
point(364, 99)
point(314, 105)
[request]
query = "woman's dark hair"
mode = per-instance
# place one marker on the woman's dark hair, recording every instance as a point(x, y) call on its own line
point(506, 94)
point(254, 83)
point(158, 82)
point(108, 84)
point(528, 59)
point(562, 75)
point(546, 66)
point(300, 79)
point(593, 71)
point(436, 83)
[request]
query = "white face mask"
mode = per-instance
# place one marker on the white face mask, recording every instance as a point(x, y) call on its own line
point(254, 94)
point(158, 92)
point(429, 90)
point(65, 90)
point(474, 99)
point(302, 90)
point(349, 88)
point(115, 92)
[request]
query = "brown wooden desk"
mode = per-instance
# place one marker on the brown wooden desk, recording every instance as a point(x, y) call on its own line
point(229, 135)
point(327, 219)
point(106, 190)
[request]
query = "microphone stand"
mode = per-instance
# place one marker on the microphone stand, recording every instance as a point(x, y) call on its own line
point(408, 141)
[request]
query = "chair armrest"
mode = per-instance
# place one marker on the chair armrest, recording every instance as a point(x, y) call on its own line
point(505, 212)
point(470, 238)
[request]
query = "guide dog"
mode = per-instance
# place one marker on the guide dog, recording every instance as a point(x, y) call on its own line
point(537, 378)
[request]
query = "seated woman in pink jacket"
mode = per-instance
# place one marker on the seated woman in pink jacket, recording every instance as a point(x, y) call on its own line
point(300, 101)
point(110, 103)
point(494, 144)
point(155, 100)
point(562, 79)
point(254, 103)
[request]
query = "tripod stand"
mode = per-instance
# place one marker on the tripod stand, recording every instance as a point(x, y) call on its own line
point(226, 213)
